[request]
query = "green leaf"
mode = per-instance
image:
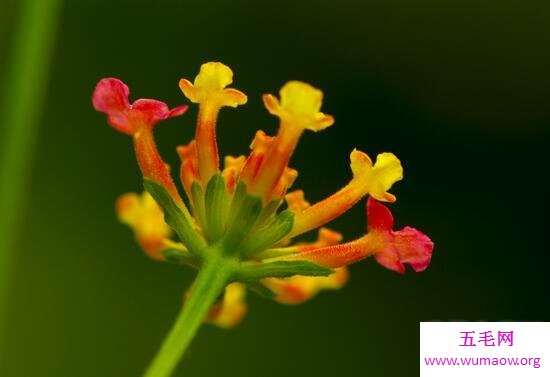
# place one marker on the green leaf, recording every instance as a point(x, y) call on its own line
point(281, 269)
point(180, 221)
point(270, 234)
point(217, 206)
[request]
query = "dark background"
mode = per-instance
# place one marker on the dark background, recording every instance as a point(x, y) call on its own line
point(459, 90)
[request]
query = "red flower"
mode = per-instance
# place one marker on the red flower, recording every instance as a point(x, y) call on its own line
point(111, 97)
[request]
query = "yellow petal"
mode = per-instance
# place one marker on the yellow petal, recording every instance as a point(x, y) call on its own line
point(232, 309)
point(297, 289)
point(231, 171)
point(296, 201)
point(328, 237)
point(214, 76)
point(209, 85)
point(300, 106)
point(145, 217)
point(377, 179)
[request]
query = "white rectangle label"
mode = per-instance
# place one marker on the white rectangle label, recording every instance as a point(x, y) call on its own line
point(484, 349)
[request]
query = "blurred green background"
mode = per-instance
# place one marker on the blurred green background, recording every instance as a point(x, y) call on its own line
point(459, 90)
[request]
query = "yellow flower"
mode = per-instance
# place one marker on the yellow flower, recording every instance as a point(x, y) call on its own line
point(299, 107)
point(232, 308)
point(209, 90)
point(145, 217)
point(376, 179)
point(209, 86)
point(367, 179)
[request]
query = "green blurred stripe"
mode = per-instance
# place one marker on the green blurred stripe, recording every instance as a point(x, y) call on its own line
point(23, 90)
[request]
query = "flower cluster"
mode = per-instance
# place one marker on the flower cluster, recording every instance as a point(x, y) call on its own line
point(242, 216)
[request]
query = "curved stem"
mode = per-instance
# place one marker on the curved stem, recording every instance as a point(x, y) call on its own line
point(210, 282)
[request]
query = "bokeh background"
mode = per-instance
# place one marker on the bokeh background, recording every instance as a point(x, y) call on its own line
point(459, 90)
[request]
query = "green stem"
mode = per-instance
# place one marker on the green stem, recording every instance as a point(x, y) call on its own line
point(23, 88)
point(210, 282)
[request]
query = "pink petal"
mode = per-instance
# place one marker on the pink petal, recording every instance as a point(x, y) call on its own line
point(414, 247)
point(389, 258)
point(379, 217)
point(151, 111)
point(406, 246)
point(111, 97)
point(177, 111)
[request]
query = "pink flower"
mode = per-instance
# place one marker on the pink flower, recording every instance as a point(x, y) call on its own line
point(390, 248)
point(407, 245)
point(111, 97)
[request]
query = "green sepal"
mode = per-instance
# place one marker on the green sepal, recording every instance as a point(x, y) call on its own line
point(270, 234)
point(244, 213)
point(273, 253)
point(179, 256)
point(216, 207)
point(280, 269)
point(197, 200)
point(177, 218)
point(269, 210)
point(260, 289)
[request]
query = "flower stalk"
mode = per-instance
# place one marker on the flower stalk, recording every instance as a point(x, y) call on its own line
point(211, 281)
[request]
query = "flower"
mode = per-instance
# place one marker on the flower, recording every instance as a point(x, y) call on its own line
point(208, 90)
point(111, 97)
point(266, 173)
point(241, 220)
point(231, 309)
point(145, 217)
point(390, 248)
point(137, 120)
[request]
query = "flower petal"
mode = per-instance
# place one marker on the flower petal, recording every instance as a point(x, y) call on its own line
point(377, 179)
point(300, 106)
point(296, 201)
point(406, 246)
point(209, 85)
point(231, 171)
point(394, 248)
point(151, 111)
point(379, 217)
point(111, 97)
